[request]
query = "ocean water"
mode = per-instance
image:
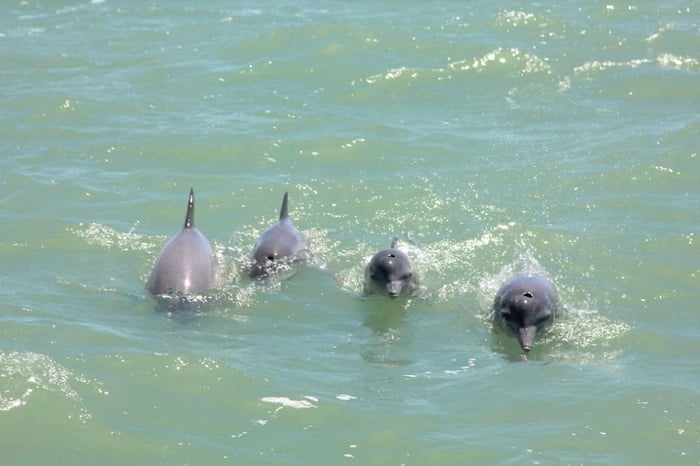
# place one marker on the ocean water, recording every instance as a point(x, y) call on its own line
point(489, 137)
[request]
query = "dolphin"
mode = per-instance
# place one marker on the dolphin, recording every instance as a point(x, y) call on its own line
point(185, 264)
point(277, 246)
point(390, 271)
point(525, 306)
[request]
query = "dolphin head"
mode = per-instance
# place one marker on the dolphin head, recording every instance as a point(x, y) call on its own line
point(524, 307)
point(271, 254)
point(390, 268)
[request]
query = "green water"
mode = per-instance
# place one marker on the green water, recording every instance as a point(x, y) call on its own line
point(489, 138)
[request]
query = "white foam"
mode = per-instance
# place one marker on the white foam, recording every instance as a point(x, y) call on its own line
point(676, 62)
point(25, 373)
point(596, 65)
point(289, 403)
point(102, 235)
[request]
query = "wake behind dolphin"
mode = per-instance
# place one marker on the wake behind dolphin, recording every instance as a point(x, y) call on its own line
point(278, 246)
point(525, 306)
point(185, 264)
point(389, 271)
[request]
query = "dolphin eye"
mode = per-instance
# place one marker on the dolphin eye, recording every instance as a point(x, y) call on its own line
point(527, 294)
point(407, 276)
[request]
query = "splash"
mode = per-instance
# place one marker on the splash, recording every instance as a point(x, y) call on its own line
point(527, 63)
point(25, 373)
point(595, 65)
point(516, 18)
point(102, 235)
point(587, 329)
point(514, 60)
point(579, 335)
point(443, 267)
point(284, 402)
point(676, 62)
point(453, 260)
point(352, 279)
point(234, 258)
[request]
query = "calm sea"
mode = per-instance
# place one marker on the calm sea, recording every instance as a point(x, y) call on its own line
point(489, 137)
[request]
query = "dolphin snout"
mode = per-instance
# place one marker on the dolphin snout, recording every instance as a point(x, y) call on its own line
point(526, 337)
point(394, 288)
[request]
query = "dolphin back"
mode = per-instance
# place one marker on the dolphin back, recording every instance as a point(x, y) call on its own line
point(278, 244)
point(185, 265)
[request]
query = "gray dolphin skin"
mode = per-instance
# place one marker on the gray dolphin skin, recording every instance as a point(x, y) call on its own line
point(185, 264)
point(277, 246)
point(525, 306)
point(389, 271)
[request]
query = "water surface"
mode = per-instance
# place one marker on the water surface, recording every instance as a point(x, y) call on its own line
point(489, 138)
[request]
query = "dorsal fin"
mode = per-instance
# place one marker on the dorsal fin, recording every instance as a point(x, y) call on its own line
point(189, 218)
point(395, 242)
point(283, 210)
